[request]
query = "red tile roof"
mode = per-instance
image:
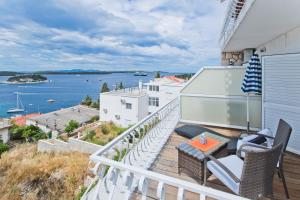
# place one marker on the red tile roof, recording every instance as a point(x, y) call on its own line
point(21, 120)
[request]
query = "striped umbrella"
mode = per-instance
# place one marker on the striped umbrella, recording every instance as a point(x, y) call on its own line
point(252, 81)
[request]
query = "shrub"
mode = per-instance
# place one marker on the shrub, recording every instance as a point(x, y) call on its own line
point(71, 126)
point(105, 129)
point(3, 148)
point(94, 118)
point(16, 132)
point(90, 135)
point(87, 101)
point(33, 132)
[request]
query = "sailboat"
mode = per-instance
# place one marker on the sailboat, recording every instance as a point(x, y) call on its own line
point(19, 108)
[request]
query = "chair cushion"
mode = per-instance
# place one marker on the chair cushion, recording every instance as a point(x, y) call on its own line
point(234, 164)
point(190, 131)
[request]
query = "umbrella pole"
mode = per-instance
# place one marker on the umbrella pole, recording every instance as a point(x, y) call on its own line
point(248, 120)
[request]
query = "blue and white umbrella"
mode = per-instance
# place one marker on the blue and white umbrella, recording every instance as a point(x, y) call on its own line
point(252, 81)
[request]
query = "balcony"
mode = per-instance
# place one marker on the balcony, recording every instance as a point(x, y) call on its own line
point(142, 163)
point(250, 24)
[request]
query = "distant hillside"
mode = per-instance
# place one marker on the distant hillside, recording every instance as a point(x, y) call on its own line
point(9, 73)
point(54, 72)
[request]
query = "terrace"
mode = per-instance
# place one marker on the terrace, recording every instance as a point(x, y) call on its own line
point(142, 162)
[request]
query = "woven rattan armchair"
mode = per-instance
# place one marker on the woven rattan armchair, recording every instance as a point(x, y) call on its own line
point(283, 133)
point(251, 177)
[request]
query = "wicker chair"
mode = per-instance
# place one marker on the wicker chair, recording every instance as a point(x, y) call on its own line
point(248, 178)
point(283, 133)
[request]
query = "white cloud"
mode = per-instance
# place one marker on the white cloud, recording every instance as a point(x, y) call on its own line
point(169, 34)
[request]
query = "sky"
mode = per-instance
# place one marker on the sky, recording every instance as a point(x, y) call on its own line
point(152, 35)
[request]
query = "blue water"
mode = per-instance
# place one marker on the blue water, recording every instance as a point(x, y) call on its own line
point(67, 90)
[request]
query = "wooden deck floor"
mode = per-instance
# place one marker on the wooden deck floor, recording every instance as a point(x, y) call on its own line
point(167, 163)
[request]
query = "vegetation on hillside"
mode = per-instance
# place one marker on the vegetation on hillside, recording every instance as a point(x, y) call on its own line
point(29, 133)
point(103, 133)
point(185, 76)
point(3, 148)
point(104, 88)
point(157, 75)
point(88, 101)
point(71, 126)
point(28, 174)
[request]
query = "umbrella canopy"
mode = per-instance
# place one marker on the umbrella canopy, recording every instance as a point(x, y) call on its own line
point(252, 79)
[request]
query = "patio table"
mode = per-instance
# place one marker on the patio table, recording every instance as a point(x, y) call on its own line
point(193, 161)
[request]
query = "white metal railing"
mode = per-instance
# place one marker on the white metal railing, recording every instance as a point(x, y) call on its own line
point(144, 177)
point(137, 132)
point(139, 145)
point(232, 14)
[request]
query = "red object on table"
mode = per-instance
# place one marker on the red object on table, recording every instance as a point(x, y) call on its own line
point(211, 143)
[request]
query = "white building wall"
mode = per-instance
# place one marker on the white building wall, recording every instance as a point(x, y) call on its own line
point(115, 107)
point(166, 93)
point(288, 42)
point(42, 127)
point(4, 135)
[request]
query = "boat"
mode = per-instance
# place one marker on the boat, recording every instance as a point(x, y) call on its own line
point(19, 108)
point(51, 100)
point(140, 74)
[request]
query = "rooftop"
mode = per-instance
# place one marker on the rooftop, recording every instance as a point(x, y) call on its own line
point(58, 119)
point(21, 120)
point(127, 92)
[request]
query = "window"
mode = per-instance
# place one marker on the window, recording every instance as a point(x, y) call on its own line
point(154, 101)
point(128, 106)
point(117, 117)
point(154, 88)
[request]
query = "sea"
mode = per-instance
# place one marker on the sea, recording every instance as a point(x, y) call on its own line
point(66, 90)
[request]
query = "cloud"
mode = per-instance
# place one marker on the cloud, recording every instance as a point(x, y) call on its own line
point(169, 35)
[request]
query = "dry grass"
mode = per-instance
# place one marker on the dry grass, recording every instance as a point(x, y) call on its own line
point(28, 174)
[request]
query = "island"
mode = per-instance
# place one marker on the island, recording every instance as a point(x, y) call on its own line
point(27, 79)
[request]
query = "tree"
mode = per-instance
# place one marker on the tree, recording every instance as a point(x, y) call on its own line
point(87, 101)
point(16, 132)
point(96, 104)
point(157, 75)
point(104, 88)
point(33, 133)
point(121, 86)
point(71, 126)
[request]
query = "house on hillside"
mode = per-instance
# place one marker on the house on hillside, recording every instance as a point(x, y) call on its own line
point(4, 126)
point(162, 90)
point(126, 107)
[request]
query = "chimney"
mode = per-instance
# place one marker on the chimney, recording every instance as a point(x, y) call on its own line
point(140, 85)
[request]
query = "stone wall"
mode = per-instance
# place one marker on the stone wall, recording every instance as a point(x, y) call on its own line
point(55, 145)
point(232, 58)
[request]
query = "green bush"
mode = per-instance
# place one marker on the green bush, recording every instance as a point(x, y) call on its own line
point(71, 126)
point(104, 129)
point(90, 135)
point(16, 132)
point(3, 148)
point(94, 118)
point(34, 133)
point(87, 101)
